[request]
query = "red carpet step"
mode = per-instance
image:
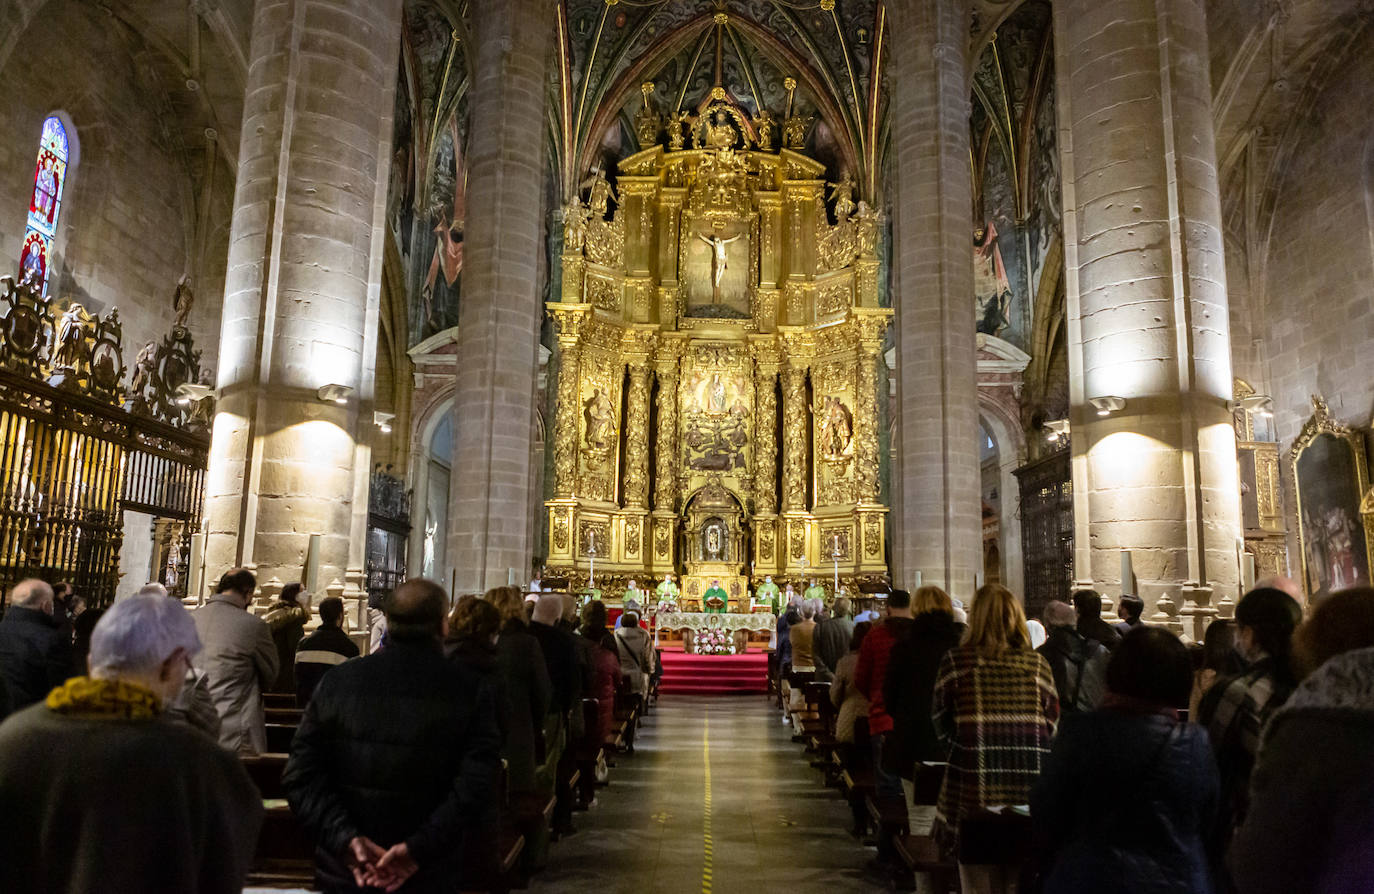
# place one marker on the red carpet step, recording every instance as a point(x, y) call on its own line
point(684, 674)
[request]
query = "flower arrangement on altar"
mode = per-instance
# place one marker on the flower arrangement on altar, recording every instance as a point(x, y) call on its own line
point(714, 641)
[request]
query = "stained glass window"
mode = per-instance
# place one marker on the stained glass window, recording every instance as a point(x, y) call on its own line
point(45, 205)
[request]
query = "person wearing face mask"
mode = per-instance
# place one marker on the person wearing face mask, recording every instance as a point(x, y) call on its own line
point(1236, 709)
point(101, 749)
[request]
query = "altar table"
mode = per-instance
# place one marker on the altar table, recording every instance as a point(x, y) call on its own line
point(757, 622)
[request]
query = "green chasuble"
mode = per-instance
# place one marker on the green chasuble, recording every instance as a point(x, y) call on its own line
point(768, 592)
point(667, 591)
point(715, 593)
point(816, 592)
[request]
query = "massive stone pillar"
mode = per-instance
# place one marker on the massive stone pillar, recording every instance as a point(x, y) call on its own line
point(1147, 306)
point(500, 314)
point(302, 293)
point(936, 477)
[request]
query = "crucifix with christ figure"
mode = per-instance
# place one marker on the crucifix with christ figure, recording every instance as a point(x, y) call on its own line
point(719, 261)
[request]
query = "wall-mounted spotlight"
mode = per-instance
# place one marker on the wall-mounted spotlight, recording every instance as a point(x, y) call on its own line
point(383, 421)
point(1106, 406)
point(1259, 404)
point(190, 392)
point(338, 394)
point(1058, 430)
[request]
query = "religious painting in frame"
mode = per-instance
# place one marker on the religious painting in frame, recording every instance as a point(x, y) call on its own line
point(1331, 475)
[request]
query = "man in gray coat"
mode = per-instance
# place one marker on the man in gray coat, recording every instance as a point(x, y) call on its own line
point(239, 660)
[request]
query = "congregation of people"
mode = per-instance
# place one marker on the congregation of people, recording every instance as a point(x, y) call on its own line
point(1237, 765)
point(1124, 759)
point(125, 754)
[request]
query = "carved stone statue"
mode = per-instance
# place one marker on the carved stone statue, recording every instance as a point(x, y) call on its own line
point(70, 339)
point(143, 370)
point(182, 301)
point(837, 429)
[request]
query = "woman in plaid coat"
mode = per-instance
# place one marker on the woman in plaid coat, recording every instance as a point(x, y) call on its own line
point(995, 707)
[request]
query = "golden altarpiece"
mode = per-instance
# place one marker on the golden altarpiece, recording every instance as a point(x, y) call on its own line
point(720, 334)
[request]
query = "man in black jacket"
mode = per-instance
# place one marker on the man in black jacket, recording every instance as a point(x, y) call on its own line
point(1088, 605)
point(395, 766)
point(327, 647)
point(35, 656)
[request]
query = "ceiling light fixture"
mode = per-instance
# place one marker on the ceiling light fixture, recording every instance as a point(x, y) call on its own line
point(1106, 406)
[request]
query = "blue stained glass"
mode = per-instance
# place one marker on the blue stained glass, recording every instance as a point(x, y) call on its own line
point(45, 203)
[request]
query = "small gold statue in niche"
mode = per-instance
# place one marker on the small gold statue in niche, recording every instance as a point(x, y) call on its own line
point(837, 430)
point(600, 420)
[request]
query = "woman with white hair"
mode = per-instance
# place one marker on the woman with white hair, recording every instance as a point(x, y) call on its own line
point(162, 807)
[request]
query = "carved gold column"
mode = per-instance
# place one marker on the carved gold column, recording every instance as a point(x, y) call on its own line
point(794, 439)
point(871, 330)
point(665, 475)
point(637, 436)
point(766, 437)
point(569, 323)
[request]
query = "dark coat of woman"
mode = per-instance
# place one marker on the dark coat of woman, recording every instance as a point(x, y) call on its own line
point(1126, 795)
point(602, 672)
point(525, 695)
point(286, 620)
point(1310, 827)
point(908, 687)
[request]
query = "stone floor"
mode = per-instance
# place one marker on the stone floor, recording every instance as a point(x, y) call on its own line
point(758, 821)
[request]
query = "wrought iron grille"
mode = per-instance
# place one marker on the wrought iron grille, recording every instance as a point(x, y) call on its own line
point(77, 448)
point(1047, 529)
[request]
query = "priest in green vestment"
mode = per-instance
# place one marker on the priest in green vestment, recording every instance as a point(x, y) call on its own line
point(667, 591)
point(815, 591)
point(715, 600)
point(768, 594)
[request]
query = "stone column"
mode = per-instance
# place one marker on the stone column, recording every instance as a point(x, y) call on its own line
point(936, 477)
point(302, 293)
point(500, 314)
point(1146, 301)
point(794, 439)
point(637, 436)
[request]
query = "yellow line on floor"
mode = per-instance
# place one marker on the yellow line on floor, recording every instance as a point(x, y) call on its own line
point(708, 845)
